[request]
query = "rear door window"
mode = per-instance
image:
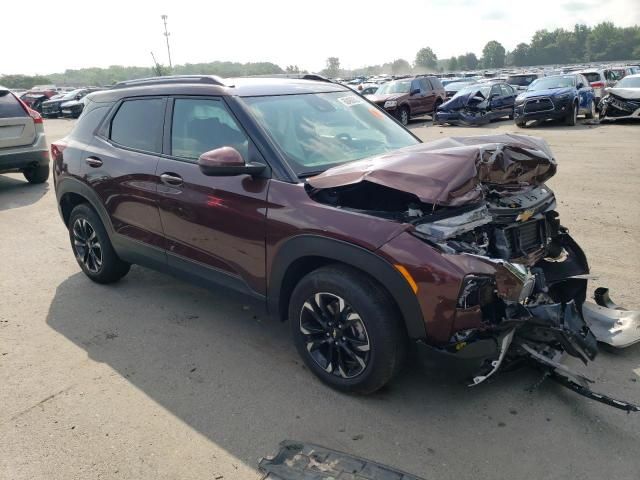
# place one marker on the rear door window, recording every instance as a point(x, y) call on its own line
point(507, 91)
point(425, 85)
point(200, 125)
point(138, 124)
point(9, 106)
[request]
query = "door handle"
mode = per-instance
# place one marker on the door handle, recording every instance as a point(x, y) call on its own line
point(94, 162)
point(171, 179)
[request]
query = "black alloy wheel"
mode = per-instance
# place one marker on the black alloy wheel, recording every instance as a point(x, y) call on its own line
point(335, 336)
point(86, 245)
point(92, 246)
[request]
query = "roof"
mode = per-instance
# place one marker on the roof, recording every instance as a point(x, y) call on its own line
point(209, 85)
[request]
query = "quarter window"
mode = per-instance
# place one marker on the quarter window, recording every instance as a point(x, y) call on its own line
point(200, 125)
point(138, 124)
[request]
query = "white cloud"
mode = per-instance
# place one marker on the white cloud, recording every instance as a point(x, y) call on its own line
point(76, 34)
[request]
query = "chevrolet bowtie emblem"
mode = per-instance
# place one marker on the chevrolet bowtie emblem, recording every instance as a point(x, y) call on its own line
point(524, 216)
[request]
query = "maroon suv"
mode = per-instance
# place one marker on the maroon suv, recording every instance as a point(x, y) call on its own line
point(310, 199)
point(409, 97)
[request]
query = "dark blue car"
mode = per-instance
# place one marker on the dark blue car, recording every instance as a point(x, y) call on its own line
point(559, 97)
point(477, 104)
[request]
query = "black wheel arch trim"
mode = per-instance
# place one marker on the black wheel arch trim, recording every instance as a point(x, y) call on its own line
point(73, 185)
point(307, 245)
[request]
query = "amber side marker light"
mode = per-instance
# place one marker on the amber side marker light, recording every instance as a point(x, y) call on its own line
point(407, 276)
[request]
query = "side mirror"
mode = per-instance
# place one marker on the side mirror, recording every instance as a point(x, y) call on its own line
point(227, 162)
point(580, 85)
point(415, 91)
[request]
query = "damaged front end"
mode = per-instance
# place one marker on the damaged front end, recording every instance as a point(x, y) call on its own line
point(522, 297)
point(532, 305)
point(468, 108)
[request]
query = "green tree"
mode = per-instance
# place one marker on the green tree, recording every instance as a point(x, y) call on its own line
point(453, 64)
point(333, 67)
point(520, 55)
point(292, 69)
point(425, 58)
point(400, 67)
point(493, 55)
point(24, 81)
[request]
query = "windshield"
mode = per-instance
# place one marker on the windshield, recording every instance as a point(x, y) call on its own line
point(321, 130)
point(552, 82)
point(521, 80)
point(629, 82)
point(395, 87)
point(72, 94)
point(483, 89)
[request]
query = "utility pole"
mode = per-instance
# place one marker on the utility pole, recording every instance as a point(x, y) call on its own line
point(166, 34)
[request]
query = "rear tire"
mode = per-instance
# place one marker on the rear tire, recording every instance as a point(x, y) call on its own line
point(592, 110)
point(38, 174)
point(521, 124)
point(92, 247)
point(347, 329)
point(572, 117)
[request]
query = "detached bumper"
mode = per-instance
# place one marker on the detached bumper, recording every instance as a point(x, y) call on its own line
point(460, 117)
point(610, 323)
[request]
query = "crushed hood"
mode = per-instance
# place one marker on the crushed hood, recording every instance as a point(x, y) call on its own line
point(451, 171)
point(626, 93)
point(461, 101)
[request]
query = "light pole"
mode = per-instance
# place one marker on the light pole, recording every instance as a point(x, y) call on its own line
point(166, 34)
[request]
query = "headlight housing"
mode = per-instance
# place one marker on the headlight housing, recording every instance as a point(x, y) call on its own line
point(390, 104)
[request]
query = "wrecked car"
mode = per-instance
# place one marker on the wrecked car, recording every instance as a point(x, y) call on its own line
point(623, 100)
point(477, 104)
point(308, 199)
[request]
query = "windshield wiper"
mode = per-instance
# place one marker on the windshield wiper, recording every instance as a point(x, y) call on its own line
point(310, 173)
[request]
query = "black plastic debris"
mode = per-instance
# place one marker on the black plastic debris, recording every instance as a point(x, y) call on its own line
point(306, 461)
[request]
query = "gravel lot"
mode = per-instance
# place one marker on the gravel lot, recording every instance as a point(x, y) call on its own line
point(153, 378)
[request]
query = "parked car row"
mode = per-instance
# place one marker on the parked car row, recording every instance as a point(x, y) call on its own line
point(53, 102)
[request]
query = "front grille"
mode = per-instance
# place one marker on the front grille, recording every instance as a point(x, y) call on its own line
point(536, 105)
point(529, 236)
point(519, 240)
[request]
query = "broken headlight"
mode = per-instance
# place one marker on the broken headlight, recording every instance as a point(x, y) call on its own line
point(476, 290)
point(446, 228)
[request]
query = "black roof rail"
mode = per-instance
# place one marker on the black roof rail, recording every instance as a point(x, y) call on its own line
point(171, 79)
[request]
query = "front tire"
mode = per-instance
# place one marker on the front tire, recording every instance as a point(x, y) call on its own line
point(572, 117)
point(37, 174)
point(403, 116)
point(92, 247)
point(347, 329)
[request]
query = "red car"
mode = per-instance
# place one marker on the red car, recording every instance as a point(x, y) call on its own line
point(309, 199)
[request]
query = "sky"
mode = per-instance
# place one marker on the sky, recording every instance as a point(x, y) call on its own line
point(78, 34)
